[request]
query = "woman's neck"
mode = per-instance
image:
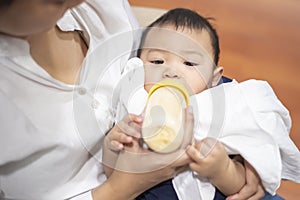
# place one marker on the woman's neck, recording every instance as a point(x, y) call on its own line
point(60, 53)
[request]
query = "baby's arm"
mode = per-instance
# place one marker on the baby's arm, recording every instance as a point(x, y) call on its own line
point(210, 160)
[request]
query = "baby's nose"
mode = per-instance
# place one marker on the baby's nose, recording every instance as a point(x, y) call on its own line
point(170, 73)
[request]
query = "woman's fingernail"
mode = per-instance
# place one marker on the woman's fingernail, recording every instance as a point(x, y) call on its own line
point(129, 139)
point(138, 119)
point(201, 156)
point(121, 146)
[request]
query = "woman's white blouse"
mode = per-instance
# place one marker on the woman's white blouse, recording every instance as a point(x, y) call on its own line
point(51, 131)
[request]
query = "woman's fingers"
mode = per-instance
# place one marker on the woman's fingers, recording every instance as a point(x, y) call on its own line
point(116, 139)
point(124, 132)
point(131, 125)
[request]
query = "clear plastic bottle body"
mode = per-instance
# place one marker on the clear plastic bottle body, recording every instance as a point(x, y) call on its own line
point(163, 126)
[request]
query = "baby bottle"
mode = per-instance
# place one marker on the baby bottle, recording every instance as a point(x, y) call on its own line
point(163, 126)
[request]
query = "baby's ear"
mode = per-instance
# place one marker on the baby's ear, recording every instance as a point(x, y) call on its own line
point(217, 75)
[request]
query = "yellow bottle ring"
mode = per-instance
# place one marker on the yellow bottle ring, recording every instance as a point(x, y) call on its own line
point(173, 84)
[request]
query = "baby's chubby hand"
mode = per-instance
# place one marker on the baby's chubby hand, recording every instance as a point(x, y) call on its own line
point(124, 132)
point(209, 157)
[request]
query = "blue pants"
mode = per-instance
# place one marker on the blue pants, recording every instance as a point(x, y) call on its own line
point(165, 191)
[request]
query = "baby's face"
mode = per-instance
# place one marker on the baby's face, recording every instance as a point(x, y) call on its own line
point(182, 55)
point(23, 18)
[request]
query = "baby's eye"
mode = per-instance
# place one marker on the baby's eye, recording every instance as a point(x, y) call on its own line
point(157, 62)
point(187, 63)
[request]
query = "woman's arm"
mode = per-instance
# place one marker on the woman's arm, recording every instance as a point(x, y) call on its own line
point(124, 186)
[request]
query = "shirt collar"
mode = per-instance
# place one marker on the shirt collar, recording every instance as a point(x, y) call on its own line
point(68, 22)
point(13, 46)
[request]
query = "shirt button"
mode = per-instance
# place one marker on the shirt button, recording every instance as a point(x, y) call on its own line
point(95, 104)
point(82, 91)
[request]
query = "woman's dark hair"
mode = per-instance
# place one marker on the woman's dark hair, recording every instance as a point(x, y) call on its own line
point(185, 18)
point(5, 3)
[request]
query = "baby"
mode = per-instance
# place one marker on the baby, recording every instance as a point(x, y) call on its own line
point(246, 118)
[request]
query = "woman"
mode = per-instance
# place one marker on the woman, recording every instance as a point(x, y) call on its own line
point(44, 154)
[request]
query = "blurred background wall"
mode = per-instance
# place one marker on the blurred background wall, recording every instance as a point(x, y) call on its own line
point(259, 39)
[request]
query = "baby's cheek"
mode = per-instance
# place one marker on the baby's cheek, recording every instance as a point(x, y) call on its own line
point(150, 80)
point(198, 88)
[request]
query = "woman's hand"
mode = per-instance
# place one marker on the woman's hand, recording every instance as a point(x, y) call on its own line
point(137, 169)
point(122, 185)
point(124, 132)
point(135, 159)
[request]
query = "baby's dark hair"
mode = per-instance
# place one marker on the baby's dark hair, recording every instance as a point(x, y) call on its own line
point(185, 18)
point(5, 3)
